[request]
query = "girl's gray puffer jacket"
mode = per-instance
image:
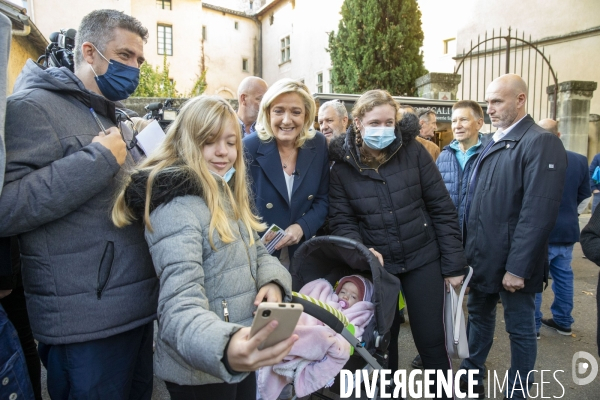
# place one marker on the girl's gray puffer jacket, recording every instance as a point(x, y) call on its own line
point(197, 282)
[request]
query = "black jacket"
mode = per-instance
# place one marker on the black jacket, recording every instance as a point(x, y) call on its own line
point(402, 209)
point(514, 208)
point(590, 244)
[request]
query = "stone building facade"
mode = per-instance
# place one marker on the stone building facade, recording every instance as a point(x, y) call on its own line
point(26, 42)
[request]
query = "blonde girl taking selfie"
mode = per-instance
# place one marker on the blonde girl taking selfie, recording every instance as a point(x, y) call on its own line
point(192, 197)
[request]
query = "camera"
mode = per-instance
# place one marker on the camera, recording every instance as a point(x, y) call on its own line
point(59, 52)
point(165, 113)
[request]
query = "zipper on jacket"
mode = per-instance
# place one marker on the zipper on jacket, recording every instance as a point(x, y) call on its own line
point(388, 193)
point(225, 310)
point(105, 268)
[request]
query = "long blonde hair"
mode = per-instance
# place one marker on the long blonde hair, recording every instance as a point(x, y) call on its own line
point(201, 119)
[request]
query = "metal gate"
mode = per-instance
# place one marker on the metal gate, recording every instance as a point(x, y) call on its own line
point(497, 55)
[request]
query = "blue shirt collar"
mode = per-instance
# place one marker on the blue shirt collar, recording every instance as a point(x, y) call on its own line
point(252, 128)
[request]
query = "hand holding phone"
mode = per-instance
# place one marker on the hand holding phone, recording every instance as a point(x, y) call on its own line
point(243, 353)
point(286, 314)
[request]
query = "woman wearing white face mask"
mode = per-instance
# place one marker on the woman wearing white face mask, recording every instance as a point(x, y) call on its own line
point(386, 192)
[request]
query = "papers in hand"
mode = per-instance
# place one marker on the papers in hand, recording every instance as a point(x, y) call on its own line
point(271, 237)
point(150, 137)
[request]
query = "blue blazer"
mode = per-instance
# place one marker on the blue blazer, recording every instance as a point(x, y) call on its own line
point(310, 193)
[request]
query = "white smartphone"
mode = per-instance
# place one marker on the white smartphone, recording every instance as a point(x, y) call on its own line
point(287, 314)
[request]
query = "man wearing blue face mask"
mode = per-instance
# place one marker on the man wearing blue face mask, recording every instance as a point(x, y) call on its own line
point(91, 288)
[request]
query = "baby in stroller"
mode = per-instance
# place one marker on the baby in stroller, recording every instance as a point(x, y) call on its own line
point(319, 354)
point(352, 289)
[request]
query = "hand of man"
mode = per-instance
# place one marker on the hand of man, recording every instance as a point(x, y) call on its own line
point(113, 142)
point(243, 354)
point(293, 235)
point(270, 292)
point(4, 293)
point(453, 281)
point(378, 255)
point(512, 283)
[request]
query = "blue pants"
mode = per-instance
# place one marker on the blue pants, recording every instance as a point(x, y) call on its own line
point(118, 367)
point(560, 258)
point(519, 308)
point(14, 377)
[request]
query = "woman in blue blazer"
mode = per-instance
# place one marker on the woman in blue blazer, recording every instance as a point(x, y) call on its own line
point(288, 165)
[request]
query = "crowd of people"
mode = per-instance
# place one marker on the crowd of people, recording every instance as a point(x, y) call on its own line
point(101, 246)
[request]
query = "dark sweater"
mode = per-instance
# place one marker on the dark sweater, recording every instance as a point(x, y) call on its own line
point(590, 244)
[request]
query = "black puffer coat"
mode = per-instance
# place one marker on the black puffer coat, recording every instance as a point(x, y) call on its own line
point(402, 209)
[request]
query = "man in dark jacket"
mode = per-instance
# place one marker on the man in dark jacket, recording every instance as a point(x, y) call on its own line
point(457, 159)
point(512, 203)
point(91, 287)
point(562, 238)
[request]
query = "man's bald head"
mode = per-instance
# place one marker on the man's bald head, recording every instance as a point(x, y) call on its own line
point(550, 125)
point(506, 97)
point(251, 84)
point(250, 94)
point(512, 82)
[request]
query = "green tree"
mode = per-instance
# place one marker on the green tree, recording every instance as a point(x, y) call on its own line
point(377, 46)
point(154, 82)
point(199, 85)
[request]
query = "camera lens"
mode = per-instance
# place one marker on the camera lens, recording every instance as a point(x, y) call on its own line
point(266, 313)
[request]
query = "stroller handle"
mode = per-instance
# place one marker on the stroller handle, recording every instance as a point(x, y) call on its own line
point(321, 311)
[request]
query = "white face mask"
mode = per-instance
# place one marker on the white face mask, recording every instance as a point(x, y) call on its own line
point(229, 174)
point(379, 137)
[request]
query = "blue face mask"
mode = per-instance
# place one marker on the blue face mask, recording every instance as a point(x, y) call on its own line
point(378, 138)
point(119, 81)
point(229, 174)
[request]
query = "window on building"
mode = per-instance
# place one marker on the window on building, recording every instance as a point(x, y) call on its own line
point(236, 25)
point(320, 82)
point(203, 32)
point(450, 46)
point(163, 4)
point(165, 39)
point(271, 19)
point(285, 49)
point(245, 65)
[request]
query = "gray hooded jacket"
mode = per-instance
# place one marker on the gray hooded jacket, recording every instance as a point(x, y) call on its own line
point(198, 282)
point(84, 278)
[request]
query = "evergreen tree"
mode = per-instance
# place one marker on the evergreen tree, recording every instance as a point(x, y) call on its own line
point(377, 46)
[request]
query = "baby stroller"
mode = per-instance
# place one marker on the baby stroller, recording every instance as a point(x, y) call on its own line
point(331, 258)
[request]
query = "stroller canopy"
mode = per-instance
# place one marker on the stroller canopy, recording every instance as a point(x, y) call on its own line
point(333, 257)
